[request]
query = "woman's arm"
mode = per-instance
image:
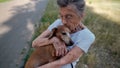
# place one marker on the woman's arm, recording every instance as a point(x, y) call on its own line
point(71, 56)
point(42, 39)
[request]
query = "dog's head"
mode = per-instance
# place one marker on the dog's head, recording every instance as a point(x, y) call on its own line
point(63, 33)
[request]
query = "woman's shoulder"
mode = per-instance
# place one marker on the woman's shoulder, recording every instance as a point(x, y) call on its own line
point(83, 39)
point(87, 33)
point(57, 21)
point(84, 34)
point(55, 24)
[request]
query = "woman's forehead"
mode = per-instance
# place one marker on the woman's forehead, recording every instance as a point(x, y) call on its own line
point(67, 10)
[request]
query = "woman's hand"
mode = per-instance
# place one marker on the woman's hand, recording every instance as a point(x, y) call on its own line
point(59, 46)
point(41, 40)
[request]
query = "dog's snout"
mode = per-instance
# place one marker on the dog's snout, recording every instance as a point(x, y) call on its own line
point(68, 34)
point(70, 43)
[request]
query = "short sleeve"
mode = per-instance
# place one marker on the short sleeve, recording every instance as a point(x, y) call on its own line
point(84, 40)
point(55, 24)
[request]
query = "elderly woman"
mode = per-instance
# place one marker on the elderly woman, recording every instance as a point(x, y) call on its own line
point(71, 12)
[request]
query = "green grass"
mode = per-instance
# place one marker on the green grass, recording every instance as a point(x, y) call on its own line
point(50, 15)
point(102, 18)
point(4, 1)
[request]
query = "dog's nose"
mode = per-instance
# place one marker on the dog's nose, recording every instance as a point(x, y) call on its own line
point(70, 43)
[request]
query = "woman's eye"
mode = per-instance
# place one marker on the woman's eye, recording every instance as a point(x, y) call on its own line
point(63, 33)
point(69, 16)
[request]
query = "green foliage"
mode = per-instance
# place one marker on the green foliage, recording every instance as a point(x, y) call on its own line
point(105, 52)
point(4, 0)
point(51, 13)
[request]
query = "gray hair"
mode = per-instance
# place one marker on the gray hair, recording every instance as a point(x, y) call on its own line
point(79, 4)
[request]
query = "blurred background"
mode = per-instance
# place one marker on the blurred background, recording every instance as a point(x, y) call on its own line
point(102, 17)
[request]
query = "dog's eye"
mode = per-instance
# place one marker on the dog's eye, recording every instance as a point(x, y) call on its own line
point(63, 33)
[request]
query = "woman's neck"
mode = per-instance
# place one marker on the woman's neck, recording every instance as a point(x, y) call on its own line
point(76, 27)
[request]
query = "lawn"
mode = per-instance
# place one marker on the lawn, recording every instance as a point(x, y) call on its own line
point(3, 1)
point(102, 18)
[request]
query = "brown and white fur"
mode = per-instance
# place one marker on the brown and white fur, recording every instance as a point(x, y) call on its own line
point(45, 54)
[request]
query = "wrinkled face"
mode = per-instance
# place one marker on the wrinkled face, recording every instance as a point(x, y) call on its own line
point(63, 33)
point(69, 15)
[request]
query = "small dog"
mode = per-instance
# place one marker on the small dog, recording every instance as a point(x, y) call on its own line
point(45, 54)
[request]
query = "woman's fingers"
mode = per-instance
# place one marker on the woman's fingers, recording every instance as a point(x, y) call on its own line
point(57, 52)
point(65, 51)
point(60, 47)
point(56, 49)
point(62, 50)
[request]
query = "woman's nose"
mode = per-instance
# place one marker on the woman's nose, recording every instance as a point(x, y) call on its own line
point(64, 21)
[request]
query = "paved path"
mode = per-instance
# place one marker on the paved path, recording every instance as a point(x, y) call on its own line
point(17, 19)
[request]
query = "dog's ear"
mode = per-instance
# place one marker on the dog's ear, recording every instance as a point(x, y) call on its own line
point(52, 33)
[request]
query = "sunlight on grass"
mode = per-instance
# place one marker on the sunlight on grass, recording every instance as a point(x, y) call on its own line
point(107, 9)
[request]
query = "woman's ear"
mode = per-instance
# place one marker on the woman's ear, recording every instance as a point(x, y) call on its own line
point(52, 33)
